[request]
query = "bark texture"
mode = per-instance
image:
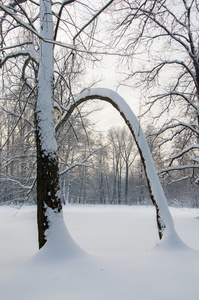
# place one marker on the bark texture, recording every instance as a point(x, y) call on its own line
point(47, 190)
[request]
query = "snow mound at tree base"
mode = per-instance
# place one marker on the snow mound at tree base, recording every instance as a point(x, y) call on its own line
point(172, 242)
point(60, 245)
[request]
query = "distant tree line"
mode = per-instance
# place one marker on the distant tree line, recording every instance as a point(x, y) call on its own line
point(95, 168)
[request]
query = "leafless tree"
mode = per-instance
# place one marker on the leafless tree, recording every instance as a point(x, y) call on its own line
point(31, 36)
point(160, 39)
point(123, 156)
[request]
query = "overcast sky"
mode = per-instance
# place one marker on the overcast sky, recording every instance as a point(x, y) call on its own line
point(108, 116)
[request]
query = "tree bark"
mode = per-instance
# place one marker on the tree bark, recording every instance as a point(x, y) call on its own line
point(48, 188)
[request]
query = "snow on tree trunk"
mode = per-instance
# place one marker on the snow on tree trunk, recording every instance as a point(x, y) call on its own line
point(47, 162)
point(164, 219)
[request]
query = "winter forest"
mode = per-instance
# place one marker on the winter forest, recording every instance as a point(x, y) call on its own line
point(155, 56)
point(66, 67)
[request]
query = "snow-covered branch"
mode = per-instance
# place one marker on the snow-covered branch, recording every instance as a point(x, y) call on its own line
point(28, 52)
point(16, 115)
point(9, 161)
point(82, 162)
point(18, 2)
point(181, 39)
point(174, 125)
point(179, 168)
point(74, 165)
point(23, 11)
point(174, 93)
point(181, 153)
point(152, 73)
point(16, 46)
point(34, 31)
point(27, 187)
point(19, 21)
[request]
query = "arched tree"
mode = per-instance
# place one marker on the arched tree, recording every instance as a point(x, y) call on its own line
point(163, 216)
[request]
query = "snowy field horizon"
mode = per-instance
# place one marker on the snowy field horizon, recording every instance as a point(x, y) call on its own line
point(113, 253)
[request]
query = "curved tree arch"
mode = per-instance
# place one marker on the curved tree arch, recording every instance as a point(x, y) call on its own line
point(163, 216)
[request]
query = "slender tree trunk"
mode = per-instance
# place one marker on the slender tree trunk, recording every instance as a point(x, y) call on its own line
point(64, 190)
point(126, 183)
point(119, 184)
point(48, 195)
point(84, 188)
point(68, 189)
point(101, 189)
point(115, 190)
point(108, 188)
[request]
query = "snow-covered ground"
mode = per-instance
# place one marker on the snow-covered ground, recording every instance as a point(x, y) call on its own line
point(121, 257)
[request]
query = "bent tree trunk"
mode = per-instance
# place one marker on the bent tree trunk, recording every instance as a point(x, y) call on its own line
point(48, 199)
point(163, 216)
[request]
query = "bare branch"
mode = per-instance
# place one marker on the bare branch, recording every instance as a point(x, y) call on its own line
point(17, 45)
point(181, 153)
point(175, 93)
point(64, 3)
point(19, 118)
point(82, 163)
point(92, 19)
point(179, 168)
point(17, 54)
point(28, 27)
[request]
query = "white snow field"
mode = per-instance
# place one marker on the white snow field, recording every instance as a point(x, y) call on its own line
point(116, 255)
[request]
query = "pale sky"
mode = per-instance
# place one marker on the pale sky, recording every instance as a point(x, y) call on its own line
point(109, 116)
